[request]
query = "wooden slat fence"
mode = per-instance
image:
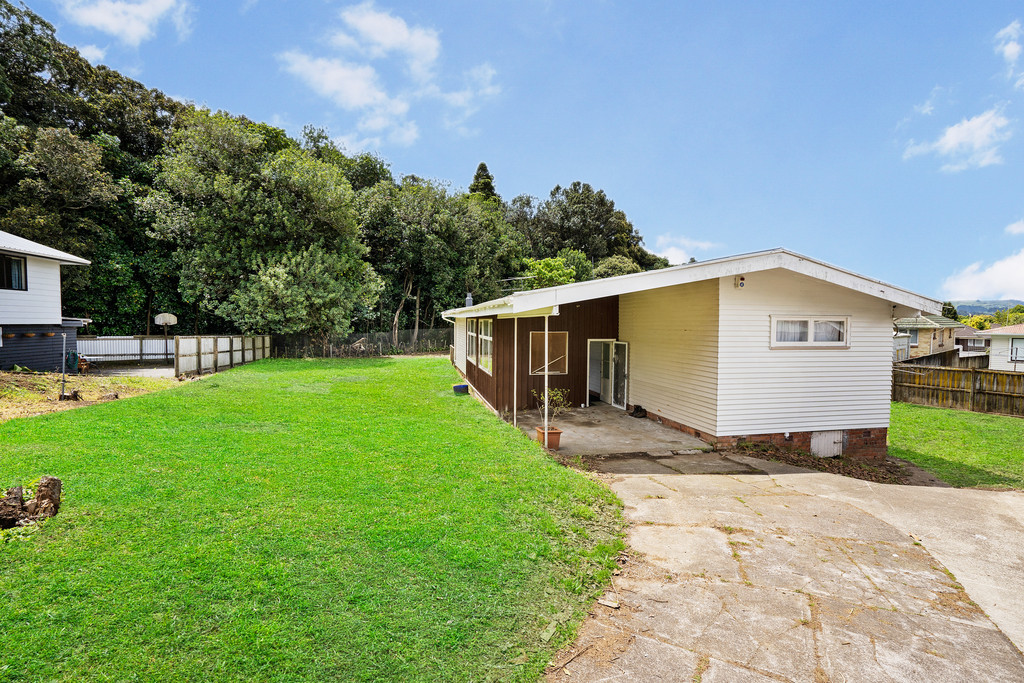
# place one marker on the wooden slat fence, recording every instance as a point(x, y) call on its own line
point(202, 354)
point(983, 391)
point(141, 348)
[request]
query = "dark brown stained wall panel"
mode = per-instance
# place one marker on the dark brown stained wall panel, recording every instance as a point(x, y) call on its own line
point(595, 319)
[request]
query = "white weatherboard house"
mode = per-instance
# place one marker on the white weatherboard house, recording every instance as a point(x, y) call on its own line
point(1007, 348)
point(769, 347)
point(31, 324)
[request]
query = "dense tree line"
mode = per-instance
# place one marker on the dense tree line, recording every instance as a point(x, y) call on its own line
point(233, 225)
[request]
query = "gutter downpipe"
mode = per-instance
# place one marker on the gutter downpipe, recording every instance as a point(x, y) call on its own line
point(515, 372)
point(547, 374)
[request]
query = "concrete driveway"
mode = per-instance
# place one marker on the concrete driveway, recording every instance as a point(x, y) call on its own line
point(776, 573)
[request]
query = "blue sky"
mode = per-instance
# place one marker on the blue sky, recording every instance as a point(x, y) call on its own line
point(885, 138)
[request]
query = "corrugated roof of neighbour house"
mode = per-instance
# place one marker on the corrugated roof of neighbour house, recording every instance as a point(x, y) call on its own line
point(537, 301)
point(1009, 330)
point(927, 322)
point(19, 245)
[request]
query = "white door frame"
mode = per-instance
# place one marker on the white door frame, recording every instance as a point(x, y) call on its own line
point(589, 342)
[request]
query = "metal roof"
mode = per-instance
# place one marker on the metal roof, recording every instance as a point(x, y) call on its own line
point(530, 302)
point(19, 245)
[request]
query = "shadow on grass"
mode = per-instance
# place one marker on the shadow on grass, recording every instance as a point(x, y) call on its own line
point(291, 365)
point(956, 473)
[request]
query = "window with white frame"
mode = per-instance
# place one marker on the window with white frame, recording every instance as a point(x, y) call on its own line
point(471, 340)
point(486, 332)
point(558, 353)
point(831, 331)
point(1017, 350)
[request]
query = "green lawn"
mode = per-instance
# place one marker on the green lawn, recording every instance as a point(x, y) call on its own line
point(297, 520)
point(960, 447)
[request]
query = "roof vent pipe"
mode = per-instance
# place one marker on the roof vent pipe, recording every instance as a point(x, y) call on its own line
point(469, 299)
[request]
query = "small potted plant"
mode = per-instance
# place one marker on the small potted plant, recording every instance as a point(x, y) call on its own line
point(557, 403)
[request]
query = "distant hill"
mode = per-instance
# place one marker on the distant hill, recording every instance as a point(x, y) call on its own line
point(984, 307)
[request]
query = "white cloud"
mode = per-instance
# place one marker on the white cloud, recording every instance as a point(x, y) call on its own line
point(92, 53)
point(1015, 228)
point(679, 249)
point(1007, 42)
point(972, 143)
point(383, 96)
point(382, 33)
point(927, 108)
point(1003, 279)
point(130, 22)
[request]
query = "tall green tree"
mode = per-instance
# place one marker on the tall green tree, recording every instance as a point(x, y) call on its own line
point(266, 235)
point(483, 183)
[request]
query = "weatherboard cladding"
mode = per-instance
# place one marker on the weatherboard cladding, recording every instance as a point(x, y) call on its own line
point(762, 390)
point(460, 344)
point(39, 352)
point(40, 303)
point(673, 350)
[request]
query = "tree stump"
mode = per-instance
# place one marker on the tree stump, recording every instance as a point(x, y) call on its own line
point(14, 511)
point(12, 508)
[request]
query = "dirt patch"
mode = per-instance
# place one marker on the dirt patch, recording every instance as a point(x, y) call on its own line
point(28, 394)
point(892, 471)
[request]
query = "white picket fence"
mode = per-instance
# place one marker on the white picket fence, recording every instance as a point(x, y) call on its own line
point(195, 355)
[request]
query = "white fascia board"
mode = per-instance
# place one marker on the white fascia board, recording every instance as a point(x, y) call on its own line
point(19, 245)
point(521, 303)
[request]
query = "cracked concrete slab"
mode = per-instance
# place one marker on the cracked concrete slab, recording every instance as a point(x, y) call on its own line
point(786, 575)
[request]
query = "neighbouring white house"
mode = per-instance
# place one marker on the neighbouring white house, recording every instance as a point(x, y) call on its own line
point(765, 347)
point(1007, 350)
point(33, 332)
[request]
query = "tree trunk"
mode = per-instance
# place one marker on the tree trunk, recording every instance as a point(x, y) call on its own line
point(398, 311)
point(416, 326)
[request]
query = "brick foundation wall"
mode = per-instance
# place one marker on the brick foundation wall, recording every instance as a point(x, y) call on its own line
point(863, 444)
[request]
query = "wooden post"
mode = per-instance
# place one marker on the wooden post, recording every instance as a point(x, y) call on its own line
point(199, 355)
point(141, 340)
point(216, 354)
point(177, 357)
point(231, 345)
point(970, 392)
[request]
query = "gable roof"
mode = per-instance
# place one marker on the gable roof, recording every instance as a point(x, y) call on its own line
point(1009, 330)
point(539, 300)
point(930, 322)
point(19, 245)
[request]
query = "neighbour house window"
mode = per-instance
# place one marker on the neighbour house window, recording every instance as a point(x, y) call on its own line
point(471, 340)
point(558, 353)
point(486, 345)
point(1017, 350)
point(913, 336)
point(12, 273)
point(799, 332)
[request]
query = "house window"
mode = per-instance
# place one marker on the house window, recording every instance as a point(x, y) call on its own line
point(558, 353)
point(12, 273)
point(913, 336)
point(471, 340)
point(486, 332)
point(799, 332)
point(1017, 350)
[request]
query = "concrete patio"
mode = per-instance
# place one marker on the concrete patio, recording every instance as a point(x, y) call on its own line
point(602, 429)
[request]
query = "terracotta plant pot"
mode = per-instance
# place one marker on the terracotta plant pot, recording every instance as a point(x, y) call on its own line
point(29, 334)
point(554, 435)
point(8, 335)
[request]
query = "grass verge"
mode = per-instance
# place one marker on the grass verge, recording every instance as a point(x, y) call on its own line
point(298, 520)
point(962, 448)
